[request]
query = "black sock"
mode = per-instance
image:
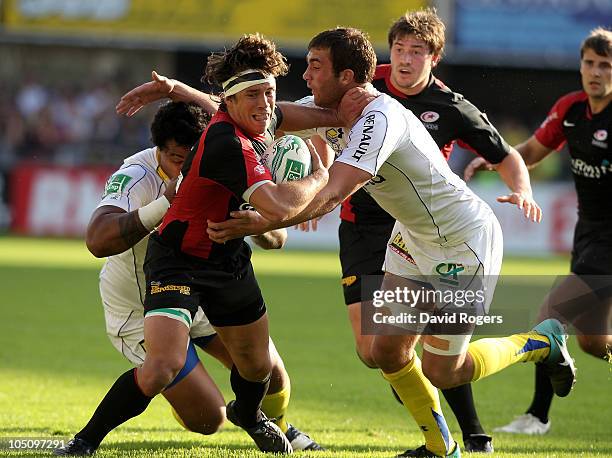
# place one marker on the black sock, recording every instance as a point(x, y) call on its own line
point(123, 401)
point(248, 398)
point(542, 397)
point(461, 401)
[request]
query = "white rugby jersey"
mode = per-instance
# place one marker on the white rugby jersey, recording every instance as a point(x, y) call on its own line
point(411, 179)
point(138, 182)
point(336, 137)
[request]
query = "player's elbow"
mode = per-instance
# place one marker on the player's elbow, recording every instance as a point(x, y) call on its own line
point(277, 239)
point(93, 244)
point(97, 244)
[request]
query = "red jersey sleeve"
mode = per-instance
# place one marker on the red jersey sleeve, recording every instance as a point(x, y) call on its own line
point(550, 133)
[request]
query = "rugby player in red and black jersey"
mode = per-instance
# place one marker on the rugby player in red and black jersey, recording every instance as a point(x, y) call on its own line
point(416, 42)
point(583, 120)
point(185, 270)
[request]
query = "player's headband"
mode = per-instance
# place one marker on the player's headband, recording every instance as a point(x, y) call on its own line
point(244, 80)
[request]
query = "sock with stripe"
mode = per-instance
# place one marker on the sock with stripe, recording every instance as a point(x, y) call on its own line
point(421, 399)
point(494, 354)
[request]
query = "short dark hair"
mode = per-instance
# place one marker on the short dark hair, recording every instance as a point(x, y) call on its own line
point(250, 52)
point(349, 49)
point(600, 41)
point(425, 24)
point(178, 121)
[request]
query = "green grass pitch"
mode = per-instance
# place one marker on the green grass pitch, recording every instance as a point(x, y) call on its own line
point(56, 363)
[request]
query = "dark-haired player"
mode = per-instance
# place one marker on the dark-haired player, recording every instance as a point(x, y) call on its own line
point(583, 120)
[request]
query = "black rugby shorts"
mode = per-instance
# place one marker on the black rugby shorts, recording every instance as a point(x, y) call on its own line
point(362, 252)
point(226, 290)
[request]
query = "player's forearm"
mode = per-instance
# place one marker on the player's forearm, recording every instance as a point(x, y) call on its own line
point(293, 197)
point(185, 93)
point(114, 233)
point(298, 117)
point(324, 202)
point(514, 173)
point(273, 240)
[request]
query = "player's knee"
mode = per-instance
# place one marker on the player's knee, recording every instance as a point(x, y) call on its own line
point(385, 357)
point(255, 368)
point(365, 355)
point(439, 377)
point(209, 424)
point(596, 346)
point(158, 372)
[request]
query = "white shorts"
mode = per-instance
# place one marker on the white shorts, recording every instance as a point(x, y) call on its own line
point(125, 328)
point(475, 263)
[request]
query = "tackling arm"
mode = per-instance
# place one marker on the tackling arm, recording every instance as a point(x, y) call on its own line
point(279, 202)
point(344, 180)
point(112, 230)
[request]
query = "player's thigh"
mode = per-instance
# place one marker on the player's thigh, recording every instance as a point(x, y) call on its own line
point(166, 340)
point(204, 336)
point(198, 401)
point(125, 330)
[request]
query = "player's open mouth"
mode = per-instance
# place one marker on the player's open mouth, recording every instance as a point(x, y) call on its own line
point(261, 117)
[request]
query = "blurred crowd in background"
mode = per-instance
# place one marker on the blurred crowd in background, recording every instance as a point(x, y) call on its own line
point(65, 65)
point(74, 123)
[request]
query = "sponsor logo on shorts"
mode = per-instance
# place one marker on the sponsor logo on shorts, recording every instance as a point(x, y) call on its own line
point(348, 281)
point(398, 246)
point(116, 184)
point(448, 272)
point(157, 288)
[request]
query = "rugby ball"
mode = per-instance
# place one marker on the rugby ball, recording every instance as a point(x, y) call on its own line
point(288, 159)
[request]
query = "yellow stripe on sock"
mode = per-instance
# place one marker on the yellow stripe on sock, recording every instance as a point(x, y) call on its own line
point(492, 355)
point(421, 399)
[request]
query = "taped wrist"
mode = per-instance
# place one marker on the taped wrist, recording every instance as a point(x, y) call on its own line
point(152, 213)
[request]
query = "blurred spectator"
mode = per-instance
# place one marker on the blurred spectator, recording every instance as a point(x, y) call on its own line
point(71, 124)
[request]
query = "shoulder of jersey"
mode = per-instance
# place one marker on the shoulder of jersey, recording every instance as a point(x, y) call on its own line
point(573, 97)
point(440, 91)
point(146, 158)
point(306, 101)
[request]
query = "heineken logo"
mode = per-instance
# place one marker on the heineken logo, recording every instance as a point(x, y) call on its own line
point(116, 184)
point(294, 170)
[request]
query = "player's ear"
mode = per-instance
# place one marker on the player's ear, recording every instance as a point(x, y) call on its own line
point(435, 59)
point(347, 76)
